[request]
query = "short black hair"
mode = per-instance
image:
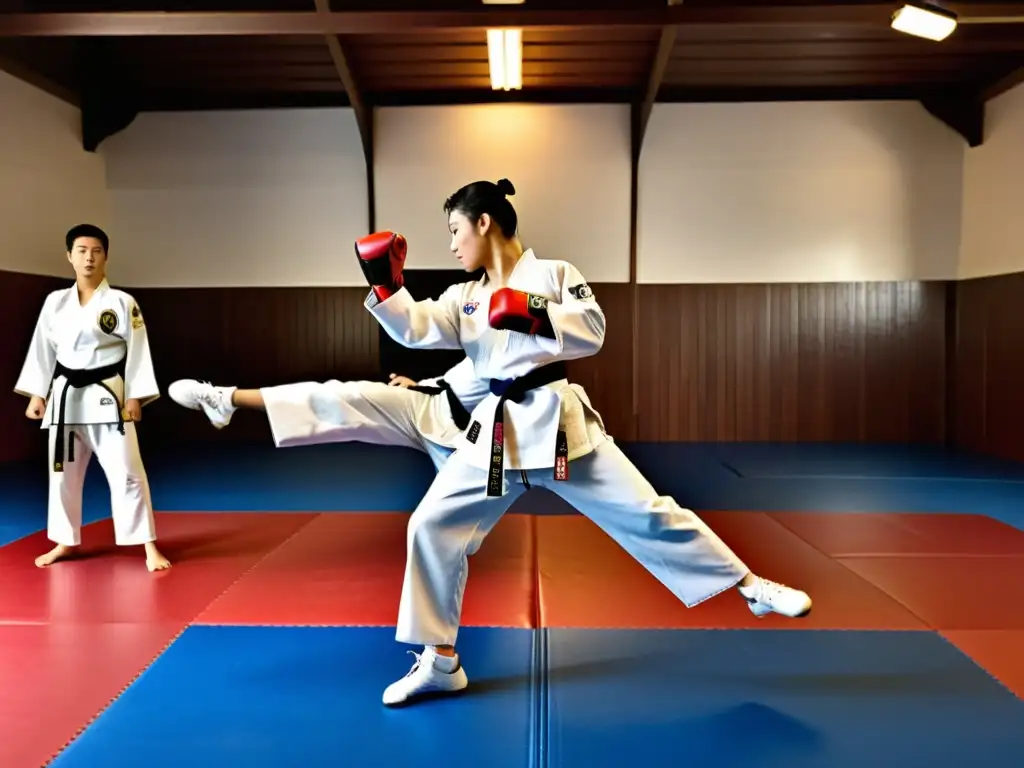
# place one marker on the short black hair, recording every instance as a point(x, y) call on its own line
point(480, 197)
point(86, 230)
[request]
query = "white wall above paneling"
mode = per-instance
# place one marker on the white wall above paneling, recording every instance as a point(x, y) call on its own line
point(993, 194)
point(798, 192)
point(570, 166)
point(48, 183)
point(793, 192)
point(247, 198)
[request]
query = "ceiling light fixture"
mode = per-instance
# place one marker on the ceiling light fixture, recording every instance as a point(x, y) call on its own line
point(505, 56)
point(925, 20)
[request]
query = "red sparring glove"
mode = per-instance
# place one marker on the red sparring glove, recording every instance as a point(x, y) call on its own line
point(382, 256)
point(513, 310)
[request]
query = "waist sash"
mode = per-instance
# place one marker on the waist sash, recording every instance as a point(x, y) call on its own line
point(459, 412)
point(515, 390)
point(80, 378)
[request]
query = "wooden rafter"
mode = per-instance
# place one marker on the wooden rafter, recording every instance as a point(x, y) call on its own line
point(666, 42)
point(639, 117)
point(1003, 84)
point(963, 112)
point(363, 113)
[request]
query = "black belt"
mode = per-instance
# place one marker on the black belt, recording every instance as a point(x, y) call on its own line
point(79, 378)
point(515, 390)
point(459, 412)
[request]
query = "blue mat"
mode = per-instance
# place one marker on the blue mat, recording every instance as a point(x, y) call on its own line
point(367, 478)
point(863, 462)
point(255, 696)
point(774, 699)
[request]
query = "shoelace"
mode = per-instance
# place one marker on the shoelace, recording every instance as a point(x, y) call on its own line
point(416, 664)
point(209, 396)
point(769, 590)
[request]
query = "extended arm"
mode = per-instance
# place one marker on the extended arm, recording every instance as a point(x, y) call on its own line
point(139, 378)
point(429, 324)
point(568, 329)
point(41, 360)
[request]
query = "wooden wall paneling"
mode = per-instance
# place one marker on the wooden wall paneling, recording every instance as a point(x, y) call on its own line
point(989, 363)
point(970, 366)
point(23, 298)
point(860, 362)
point(250, 337)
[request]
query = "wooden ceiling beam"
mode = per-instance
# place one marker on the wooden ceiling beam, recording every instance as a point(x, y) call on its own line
point(363, 113)
point(963, 111)
point(109, 92)
point(666, 44)
point(1002, 84)
point(190, 23)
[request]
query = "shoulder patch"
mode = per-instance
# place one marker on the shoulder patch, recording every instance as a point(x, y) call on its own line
point(581, 292)
point(137, 321)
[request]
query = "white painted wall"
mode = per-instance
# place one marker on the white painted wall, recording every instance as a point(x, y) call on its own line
point(570, 166)
point(993, 192)
point(798, 192)
point(728, 192)
point(238, 198)
point(48, 183)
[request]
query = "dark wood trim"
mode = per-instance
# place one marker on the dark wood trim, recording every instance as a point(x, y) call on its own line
point(186, 100)
point(109, 92)
point(963, 113)
point(636, 139)
point(363, 113)
point(666, 44)
point(112, 24)
point(1003, 84)
point(952, 345)
point(28, 75)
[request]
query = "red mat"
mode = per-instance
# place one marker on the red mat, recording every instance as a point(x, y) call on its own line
point(346, 570)
point(56, 678)
point(950, 534)
point(107, 583)
point(586, 580)
point(998, 651)
point(950, 592)
point(843, 534)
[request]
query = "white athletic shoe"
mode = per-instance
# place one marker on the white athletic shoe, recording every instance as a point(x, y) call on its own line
point(215, 402)
point(431, 674)
point(766, 597)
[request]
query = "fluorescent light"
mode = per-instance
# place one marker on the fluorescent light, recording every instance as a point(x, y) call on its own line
point(505, 56)
point(925, 21)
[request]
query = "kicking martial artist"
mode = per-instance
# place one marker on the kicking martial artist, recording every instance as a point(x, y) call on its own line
point(88, 374)
point(427, 415)
point(519, 323)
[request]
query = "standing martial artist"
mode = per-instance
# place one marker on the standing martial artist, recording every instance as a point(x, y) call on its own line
point(519, 323)
point(428, 415)
point(88, 373)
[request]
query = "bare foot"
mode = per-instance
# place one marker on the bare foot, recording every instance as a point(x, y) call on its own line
point(55, 554)
point(155, 561)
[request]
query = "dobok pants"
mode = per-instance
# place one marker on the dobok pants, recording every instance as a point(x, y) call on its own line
point(118, 455)
point(455, 516)
point(313, 413)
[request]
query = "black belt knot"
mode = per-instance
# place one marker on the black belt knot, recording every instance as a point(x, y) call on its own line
point(459, 413)
point(515, 390)
point(79, 378)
